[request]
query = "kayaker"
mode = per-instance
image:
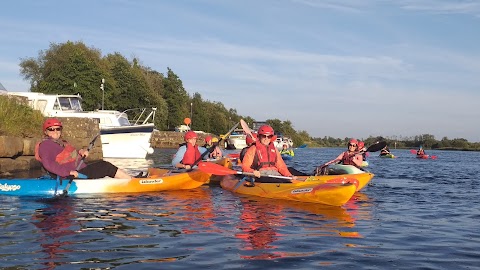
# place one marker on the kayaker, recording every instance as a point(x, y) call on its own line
point(249, 140)
point(420, 151)
point(385, 151)
point(61, 158)
point(362, 150)
point(208, 142)
point(263, 158)
point(216, 152)
point(349, 157)
point(286, 150)
point(188, 153)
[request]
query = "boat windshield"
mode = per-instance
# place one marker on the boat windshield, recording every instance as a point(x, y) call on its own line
point(123, 121)
point(68, 103)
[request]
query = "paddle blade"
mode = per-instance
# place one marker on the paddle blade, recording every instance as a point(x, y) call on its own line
point(212, 168)
point(245, 127)
point(413, 151)
point(376, 146)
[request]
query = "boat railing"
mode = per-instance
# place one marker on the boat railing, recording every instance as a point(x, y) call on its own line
point(145, 116)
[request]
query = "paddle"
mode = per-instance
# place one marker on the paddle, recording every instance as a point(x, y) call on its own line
point(376, 146)
point(245, 128)
point(80, 175)
point(210, 150)
point(217, 169)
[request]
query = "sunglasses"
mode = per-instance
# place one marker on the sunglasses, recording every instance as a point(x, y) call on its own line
point(54, 129)
point(354, 145)
point(266, 136)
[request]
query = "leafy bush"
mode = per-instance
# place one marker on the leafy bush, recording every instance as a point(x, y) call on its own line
point(17, 119)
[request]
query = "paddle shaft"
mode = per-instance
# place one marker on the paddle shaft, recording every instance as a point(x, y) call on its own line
point(210, 150)
point(90, 146)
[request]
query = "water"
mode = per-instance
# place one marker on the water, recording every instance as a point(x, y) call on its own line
point(420, 214)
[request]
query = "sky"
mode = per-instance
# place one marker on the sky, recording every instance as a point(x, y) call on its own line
point(339, 68)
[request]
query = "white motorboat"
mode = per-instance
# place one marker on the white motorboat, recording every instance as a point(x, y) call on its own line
point(281, 140)
point(236, 140)
point(120, 136)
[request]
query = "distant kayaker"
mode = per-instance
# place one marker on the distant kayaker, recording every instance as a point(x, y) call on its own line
point(188, 153)
point(286, 150)
point(349, 157)
point(249, 140)
point(385, 151)
point(420, 151)
point(263, 158)
point(61, 158)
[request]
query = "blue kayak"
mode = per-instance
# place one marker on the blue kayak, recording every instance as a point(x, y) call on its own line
point(286, 157)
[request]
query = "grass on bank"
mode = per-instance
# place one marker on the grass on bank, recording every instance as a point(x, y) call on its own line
point(19, 120)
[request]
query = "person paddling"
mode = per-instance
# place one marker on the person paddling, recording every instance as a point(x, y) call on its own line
point(385, 151)
point(249, 140)
point(188, 153)
point(263, 158)
point(286, 150)
point(62, 159)
point(420, 151)
point(349, 157)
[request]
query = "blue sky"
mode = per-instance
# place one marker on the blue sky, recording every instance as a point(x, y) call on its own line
point(340, 68)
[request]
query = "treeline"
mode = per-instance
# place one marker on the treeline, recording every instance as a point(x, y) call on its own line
point(73, 67)
point(427, 141)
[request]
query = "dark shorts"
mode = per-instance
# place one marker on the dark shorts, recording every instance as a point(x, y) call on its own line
point(99, 169)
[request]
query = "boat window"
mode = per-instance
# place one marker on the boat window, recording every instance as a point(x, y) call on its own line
point(64, 103)
point(123, 121)
point(76, 104)
point(56, 105)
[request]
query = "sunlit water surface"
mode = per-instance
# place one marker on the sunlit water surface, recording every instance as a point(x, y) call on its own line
point(415, 214)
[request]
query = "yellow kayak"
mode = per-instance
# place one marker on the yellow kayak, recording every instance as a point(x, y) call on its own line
point(335, 193)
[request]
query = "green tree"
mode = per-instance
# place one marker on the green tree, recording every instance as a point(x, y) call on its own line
point(177, 100)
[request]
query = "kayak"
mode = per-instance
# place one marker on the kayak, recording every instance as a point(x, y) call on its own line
point(335, 193)
point(365, 163)
point(286, 157)
point(157, 180)
point(388, 156)
point(343, 169)
point(423, 156)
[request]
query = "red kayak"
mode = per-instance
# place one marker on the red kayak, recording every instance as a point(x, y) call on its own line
point(422, 156)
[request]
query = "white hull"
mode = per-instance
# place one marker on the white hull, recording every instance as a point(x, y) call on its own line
point(236, 142)
point(127, 142)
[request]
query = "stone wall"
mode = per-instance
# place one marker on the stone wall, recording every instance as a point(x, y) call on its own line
point(171, 139)
point(18, 154)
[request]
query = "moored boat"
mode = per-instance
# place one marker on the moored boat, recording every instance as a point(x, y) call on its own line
point(157, 180)
point(335, 194)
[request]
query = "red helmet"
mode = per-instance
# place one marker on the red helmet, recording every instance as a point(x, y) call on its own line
point(50, 122)
point(249, 140)
point(265, 130)
point(208, 138)
point(190, 135)
point(360, 144)
point(353, 141)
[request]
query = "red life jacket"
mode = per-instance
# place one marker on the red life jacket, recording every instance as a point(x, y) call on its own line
point(265, 156)
point(348, 159)
point(68, 154)
point(191, 155)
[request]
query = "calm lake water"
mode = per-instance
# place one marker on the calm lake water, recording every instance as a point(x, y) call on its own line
point(415, 214)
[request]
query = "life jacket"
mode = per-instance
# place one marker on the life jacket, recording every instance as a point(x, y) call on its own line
point(68, 154)
point(348, 159)
point(265, 157)
point(192, 154)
